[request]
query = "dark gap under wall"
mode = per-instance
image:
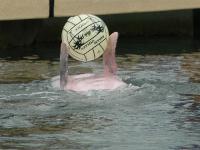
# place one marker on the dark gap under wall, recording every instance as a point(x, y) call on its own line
point(171, 24)
point(177, 23)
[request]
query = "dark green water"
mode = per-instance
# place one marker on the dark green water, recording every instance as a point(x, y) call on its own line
point(164, 113)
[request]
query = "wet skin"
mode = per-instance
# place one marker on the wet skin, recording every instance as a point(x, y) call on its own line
point(86, 82)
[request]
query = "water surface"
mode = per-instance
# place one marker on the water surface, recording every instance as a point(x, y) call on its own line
point(162, 114)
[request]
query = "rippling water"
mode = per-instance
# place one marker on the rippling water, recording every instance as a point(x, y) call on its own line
point(163, 113)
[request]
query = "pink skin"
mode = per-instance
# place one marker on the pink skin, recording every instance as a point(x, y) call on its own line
point(86, 82)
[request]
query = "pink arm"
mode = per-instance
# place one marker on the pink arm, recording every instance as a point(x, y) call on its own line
point(63, 65)
point(110, 66)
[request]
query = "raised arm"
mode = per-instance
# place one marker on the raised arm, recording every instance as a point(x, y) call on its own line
point(63, 65)
point(110, 66)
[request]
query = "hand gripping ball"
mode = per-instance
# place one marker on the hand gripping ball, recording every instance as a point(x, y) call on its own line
point(86, 37)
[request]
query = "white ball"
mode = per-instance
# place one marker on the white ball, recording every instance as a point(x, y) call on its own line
point(86, 37)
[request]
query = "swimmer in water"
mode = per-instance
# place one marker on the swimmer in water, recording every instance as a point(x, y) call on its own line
point(87, 82)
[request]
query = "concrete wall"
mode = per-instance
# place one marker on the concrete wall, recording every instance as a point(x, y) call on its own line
point(103, 7)
point(23, 9)
point(30, 9)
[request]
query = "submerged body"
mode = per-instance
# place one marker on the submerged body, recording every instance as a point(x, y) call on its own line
point(87, 82)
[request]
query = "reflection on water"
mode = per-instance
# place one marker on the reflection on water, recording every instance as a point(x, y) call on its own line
point(191, 64)
point(25, 70)
point(162, 114)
